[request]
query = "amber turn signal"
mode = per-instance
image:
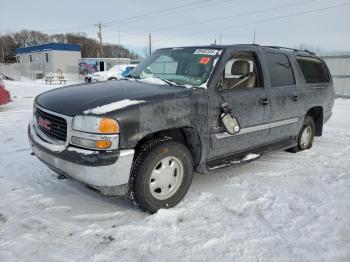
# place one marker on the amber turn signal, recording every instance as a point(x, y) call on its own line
point(108, 125)
point(103, 144)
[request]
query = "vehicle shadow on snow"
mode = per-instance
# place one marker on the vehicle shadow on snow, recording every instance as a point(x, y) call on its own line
point(217, 184)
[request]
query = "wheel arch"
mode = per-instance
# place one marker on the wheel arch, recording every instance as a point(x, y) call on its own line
point(316, 113)
point(188, 136)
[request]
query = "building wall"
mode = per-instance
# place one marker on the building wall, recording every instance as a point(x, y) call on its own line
point(36, 62)
point(339, 66)
point(67, 61)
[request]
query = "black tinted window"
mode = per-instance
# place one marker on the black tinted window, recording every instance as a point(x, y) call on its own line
point(314, 70)
point(280, 70)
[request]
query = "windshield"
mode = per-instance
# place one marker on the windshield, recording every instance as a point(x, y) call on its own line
point(181, 66)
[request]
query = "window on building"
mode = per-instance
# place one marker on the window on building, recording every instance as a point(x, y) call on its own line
point(313, 69)
point(280, 70)
point(30, 58)
point(47, 57)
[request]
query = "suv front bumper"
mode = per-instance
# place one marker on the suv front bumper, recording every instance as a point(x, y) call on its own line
point(106, 171)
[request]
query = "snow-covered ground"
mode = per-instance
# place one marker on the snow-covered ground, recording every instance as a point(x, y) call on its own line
point(281, 207)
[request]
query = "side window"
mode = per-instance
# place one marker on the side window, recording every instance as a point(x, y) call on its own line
point(313, 69)
point(280, 70)
point(242, 71)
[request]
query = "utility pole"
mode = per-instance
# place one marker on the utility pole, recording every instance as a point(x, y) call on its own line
point(220, 38)
point(99, 34)
point(119, 35)
point(149, 43)
point(3, 54)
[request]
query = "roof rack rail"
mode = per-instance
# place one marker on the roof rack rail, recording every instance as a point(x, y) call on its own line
point(292, 49)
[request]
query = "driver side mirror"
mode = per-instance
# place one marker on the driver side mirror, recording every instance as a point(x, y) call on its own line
point(230, 123)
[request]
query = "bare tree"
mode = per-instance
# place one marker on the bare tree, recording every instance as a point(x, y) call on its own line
point(89, 46)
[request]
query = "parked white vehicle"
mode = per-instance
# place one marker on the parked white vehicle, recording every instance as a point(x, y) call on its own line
point(114, 73)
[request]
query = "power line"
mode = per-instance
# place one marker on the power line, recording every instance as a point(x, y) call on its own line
point(235, 15)
point(67, 28)
point(258, 21)
point(132, 18)
point(166, 11)
point(223, 18)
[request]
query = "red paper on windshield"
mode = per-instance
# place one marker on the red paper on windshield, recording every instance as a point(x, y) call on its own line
point(204, 60)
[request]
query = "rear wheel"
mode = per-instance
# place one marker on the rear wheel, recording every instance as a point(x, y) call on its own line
point(161, 175)
point(306, 135)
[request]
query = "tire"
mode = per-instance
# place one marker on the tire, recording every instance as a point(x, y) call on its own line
point(161, 175)
point(306, 135)
point(87, 80)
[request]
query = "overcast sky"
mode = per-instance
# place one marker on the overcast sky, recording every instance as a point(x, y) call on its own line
point(189, 22)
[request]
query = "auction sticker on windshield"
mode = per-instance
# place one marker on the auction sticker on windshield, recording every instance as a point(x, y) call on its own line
point(206, 52)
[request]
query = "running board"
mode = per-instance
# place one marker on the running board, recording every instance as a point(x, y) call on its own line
point(249, 155)
point(234, 162)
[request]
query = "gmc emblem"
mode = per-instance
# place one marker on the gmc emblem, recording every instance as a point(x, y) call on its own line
point(44, 123)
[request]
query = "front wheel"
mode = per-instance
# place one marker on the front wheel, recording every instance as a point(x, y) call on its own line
point(161, 175)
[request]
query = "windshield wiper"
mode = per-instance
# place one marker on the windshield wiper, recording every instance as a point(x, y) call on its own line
point(170, 83)
point(128, 76)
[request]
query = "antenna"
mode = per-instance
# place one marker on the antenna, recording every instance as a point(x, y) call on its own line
point(149, 43)
point(254, 35)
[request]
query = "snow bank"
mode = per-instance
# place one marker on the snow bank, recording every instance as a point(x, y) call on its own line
point(113, 106)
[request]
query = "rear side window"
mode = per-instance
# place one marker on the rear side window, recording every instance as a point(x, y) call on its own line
point(314, 70)
point(280, 70)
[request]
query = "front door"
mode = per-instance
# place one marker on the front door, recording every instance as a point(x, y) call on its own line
point(242, 87)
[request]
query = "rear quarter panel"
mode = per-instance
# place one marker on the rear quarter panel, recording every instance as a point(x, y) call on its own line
point(318, 94)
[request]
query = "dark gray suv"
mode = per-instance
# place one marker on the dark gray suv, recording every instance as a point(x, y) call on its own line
point(182, 110)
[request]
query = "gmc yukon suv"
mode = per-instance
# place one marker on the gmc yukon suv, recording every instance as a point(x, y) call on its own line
point(182, 110)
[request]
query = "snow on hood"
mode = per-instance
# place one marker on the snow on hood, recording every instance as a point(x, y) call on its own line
point(152, 80)
point(113, 106)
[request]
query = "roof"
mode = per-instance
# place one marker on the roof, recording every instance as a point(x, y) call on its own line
point(48, 47)
point(279, 48)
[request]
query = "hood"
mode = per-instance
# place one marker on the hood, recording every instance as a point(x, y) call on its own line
point(74, 100)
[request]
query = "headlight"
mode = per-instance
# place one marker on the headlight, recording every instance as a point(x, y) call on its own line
point(95, 132)
point(92, 124)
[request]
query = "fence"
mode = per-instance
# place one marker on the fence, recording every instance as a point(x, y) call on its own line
point(17, 71)
point(339, 65)
point(11, 71)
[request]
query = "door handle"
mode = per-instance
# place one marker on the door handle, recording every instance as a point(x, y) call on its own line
point(264, 101)
point(295, 98)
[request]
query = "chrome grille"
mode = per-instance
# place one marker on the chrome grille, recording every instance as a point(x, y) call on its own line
point(51, 125)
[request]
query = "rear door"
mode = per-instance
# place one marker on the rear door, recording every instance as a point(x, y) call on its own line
point(284, 96)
